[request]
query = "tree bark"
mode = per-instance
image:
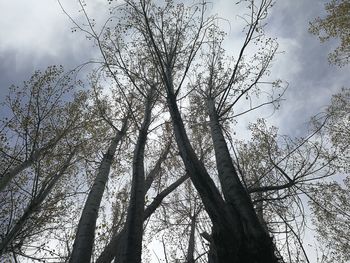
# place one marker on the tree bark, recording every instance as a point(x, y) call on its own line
point(134, 221)
point(191, 241)
point(113, 247)
point(84, 239)
point(256, 239)
point(226, 223)
point(156, 169)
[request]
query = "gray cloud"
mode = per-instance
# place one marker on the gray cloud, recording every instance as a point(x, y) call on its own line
point(35, 34)
point(304, 64)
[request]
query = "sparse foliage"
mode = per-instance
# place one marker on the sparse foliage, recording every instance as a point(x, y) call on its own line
point(103, 172)
point(336, 24)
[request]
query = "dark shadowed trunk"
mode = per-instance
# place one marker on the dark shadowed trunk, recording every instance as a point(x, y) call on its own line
point(191, 241)
point(84, 239)
point(225, 222)
point(212, 255)
point(256, 239)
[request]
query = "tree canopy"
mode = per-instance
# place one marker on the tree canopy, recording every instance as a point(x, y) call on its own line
point(142, 154)
point(336, 24)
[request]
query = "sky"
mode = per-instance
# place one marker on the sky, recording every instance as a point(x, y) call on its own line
point(36, 33)
point(302, 63)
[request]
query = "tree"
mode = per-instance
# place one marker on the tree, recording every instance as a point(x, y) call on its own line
point(335, 25)
point(84, 239)
point(277, 171)
point(332, 219)
point(170, 53)
point(330, 202)
point(163, 66)
point(330, 209)
point(40, 141)
point(34, 205)
point(234, 219)
point(336, 128)
point(37, 122)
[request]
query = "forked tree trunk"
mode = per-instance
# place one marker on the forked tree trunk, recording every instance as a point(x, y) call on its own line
point(256, 240)
point(227, 234)
point(84, 239)
point(114, 246)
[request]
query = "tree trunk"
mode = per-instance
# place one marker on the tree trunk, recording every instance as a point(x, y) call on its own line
point(226, 222)
point(8, 176)
point(156, 169)
point(134, 221)
point(212, 255)
point(113, 247)
point(259, 204)
point(257, 241)
point(191, 241)
point(84, 239)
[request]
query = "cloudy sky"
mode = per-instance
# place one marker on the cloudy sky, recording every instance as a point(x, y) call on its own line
point(36, 33)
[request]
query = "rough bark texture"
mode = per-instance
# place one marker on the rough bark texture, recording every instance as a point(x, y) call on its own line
point(113, 247)
point(256, 239)
point(134, 220)
point(84, 239)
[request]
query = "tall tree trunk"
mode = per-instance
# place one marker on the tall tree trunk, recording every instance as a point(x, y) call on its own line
point(34, 205)
point(134, 220)
point(191, 241)
point(113, 247)
point(84, 239)
point(225, 222)
point(257, 241)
